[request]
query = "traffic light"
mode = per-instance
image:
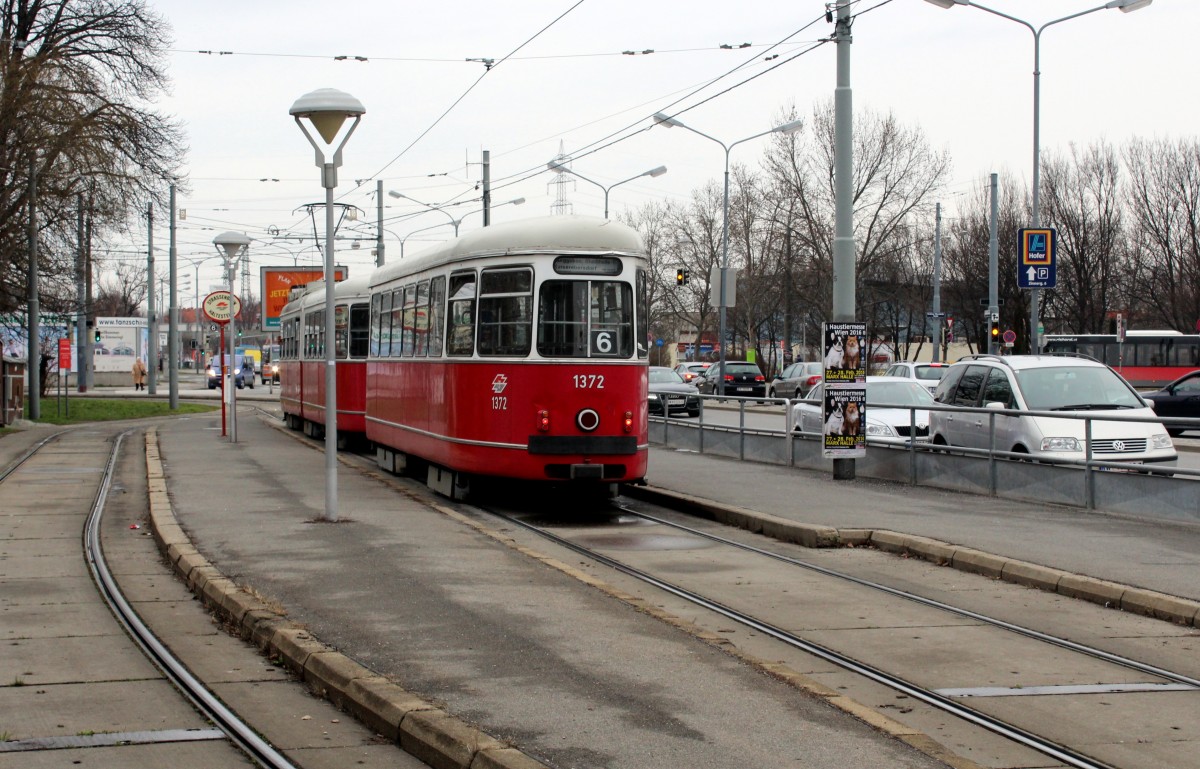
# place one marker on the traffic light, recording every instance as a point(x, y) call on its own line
point(681, 277)
point(97, 336)
point(994, 331)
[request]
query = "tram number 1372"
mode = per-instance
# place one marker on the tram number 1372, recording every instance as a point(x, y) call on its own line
point(589, 381)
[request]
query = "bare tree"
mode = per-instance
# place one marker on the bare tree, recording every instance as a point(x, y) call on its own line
point(77, 78)
point(1082, 200)
point(1164, 189)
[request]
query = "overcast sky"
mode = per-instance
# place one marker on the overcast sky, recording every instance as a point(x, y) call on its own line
point(560, 78)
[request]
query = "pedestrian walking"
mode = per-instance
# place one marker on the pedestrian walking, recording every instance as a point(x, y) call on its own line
point(139, 374)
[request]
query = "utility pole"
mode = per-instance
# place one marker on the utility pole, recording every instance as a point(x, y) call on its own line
point(80, 299)
point(35, 347)
point(173, 317)
point(379, 247)
point(938, 321)
point(487, 188)
point(152, 324)
point(843, 173)
point(993, 262)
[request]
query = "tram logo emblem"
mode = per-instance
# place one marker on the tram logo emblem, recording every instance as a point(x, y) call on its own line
point(499, 383)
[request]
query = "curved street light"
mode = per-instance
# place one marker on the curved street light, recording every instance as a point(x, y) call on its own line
point(787, 128)
point(1124, 6)
point(327, 109)
point(560, 168)
point(455, 222)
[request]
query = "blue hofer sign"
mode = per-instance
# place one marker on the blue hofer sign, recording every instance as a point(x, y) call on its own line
point(1036, 268)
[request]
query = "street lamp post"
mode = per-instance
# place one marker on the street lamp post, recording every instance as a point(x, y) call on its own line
point(455, 222)
point(327, 110)
point(670, 122)
point(232, 246)
point(1124, 6)
point(559, 168)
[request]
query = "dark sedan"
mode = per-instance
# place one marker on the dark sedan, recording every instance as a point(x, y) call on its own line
point(741, 378)
point(1181, 398)
point(670, 394)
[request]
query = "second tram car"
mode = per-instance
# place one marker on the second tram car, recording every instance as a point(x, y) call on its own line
point(517, 351)
point(302, 358)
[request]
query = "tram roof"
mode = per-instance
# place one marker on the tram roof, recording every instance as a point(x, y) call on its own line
point(314, 291)
point(548, 234)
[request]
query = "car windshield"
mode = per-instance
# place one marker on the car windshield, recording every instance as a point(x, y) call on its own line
point(898, 394)
point(932, 373)
point(664, 376)
point(1075, 388)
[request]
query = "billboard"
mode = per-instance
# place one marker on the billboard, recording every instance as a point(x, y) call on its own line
point(276, 283)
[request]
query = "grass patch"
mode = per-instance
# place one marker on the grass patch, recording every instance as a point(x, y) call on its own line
point(102, 410)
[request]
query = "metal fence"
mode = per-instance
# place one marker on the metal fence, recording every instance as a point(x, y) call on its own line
point(1156, 490)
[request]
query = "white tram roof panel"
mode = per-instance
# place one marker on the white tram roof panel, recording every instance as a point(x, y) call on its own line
point(312, 294)
point(564, 234)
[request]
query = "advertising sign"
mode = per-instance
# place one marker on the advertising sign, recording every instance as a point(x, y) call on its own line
point(845, 402)
point(1037, 268)
point(277, 284)
point(845, 358)
point(121, 339)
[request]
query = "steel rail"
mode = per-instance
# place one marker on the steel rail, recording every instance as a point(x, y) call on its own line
point(204, 700)
point(941, 702)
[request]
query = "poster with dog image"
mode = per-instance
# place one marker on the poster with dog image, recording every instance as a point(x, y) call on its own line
point(845, 415)
point(845, 358)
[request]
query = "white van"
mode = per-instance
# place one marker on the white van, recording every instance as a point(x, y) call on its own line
point(1072, 385)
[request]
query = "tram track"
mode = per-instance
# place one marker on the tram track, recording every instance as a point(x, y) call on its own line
point(935, 697)
point(228, 724)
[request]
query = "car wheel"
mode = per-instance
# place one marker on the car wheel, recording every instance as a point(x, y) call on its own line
point(212, 386)
point(693, 412)
point(799, 394)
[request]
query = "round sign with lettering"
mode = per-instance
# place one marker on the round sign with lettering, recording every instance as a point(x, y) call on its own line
point(221, 307)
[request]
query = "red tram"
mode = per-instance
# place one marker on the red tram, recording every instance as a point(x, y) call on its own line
point(517, 351)
point(1147, 359)
point(302, 353)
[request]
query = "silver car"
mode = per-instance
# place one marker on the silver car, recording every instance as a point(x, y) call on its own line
point(1071, 385)
point(896, 411)
point(795, 380)
point(929, 373)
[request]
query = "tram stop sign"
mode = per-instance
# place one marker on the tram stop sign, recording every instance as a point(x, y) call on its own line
point(221, 307)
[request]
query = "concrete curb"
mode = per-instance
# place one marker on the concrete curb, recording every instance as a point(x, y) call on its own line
point(432, 735)
point(1181, 611)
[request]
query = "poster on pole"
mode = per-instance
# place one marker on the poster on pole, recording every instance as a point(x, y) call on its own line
point(844, 406)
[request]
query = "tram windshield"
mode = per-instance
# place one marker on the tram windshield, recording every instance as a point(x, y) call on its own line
point(585, 319)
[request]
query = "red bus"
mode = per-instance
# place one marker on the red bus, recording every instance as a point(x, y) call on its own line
point(1147, 359)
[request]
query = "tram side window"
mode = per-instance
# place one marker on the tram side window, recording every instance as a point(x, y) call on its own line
point(373, 348)
point(410, 320)
point(385, 324)
point(505, 311)
point(437, 300)
point(397, 322)
point(341, 331)
point(460, 325)
point(421, 321)
point(360, 329)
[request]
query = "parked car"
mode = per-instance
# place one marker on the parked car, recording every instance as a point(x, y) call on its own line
point(929, 373)
point(214, 373)
point(1181, 398)
point(669, 393)
point(888, 421)
point(742, 379)
point(795, 380)
point(1046, 383)
point(691, 371)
